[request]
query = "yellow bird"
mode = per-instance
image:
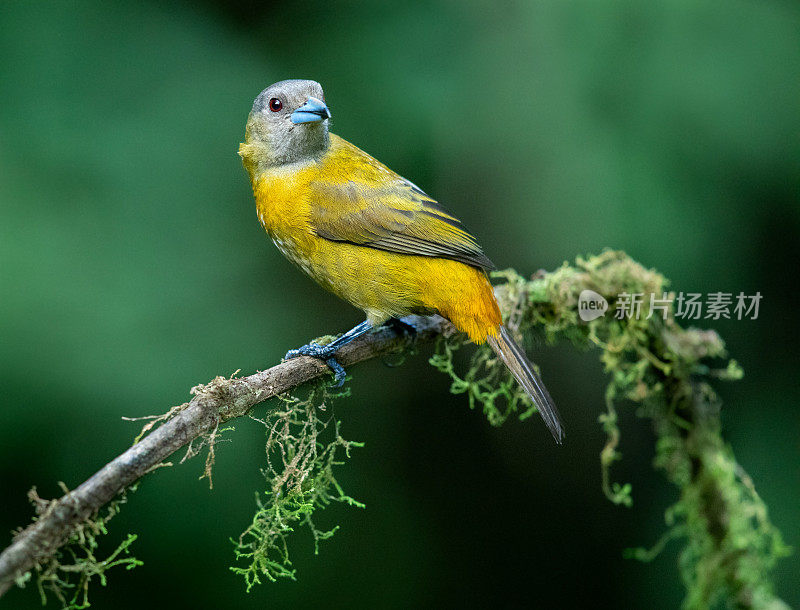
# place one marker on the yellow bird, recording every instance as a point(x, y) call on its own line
point(368, 235)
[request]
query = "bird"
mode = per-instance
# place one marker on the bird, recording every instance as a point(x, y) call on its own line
point(368, 235)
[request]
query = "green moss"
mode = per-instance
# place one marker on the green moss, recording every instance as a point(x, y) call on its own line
point(303, 447)
point(67, 573)
point(729, 544)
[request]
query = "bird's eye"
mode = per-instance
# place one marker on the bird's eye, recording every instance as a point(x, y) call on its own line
point(275, 104)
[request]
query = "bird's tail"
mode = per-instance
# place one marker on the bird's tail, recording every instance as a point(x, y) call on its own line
point(504, 346)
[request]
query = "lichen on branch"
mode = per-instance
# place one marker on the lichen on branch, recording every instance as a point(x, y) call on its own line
point(729, 544)
point(67, 574)
point(664, 371)
point(303, 446)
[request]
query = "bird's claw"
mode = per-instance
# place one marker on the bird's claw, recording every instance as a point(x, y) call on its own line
point(338, 372)
point(315, 350)
point(324, 353)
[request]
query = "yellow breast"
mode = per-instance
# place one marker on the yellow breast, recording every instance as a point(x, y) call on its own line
point(384, 284)
point(284, 199)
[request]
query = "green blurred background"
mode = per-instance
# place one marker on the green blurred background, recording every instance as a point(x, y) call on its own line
point(133, 267)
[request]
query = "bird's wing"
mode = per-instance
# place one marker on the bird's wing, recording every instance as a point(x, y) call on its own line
point(367, 204)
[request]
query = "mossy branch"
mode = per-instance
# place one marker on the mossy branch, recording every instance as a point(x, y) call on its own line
point(730, 546)
point(214, 403)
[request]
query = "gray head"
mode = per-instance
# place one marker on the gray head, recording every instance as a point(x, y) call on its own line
point(288, 123)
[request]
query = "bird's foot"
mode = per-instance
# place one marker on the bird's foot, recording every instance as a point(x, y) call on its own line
point(328, 351)
point(324, 353)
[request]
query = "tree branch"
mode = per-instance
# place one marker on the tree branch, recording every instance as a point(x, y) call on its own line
point(214, 403)
point(729, 544)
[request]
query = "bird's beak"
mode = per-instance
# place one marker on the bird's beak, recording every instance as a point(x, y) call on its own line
point(312, 111)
